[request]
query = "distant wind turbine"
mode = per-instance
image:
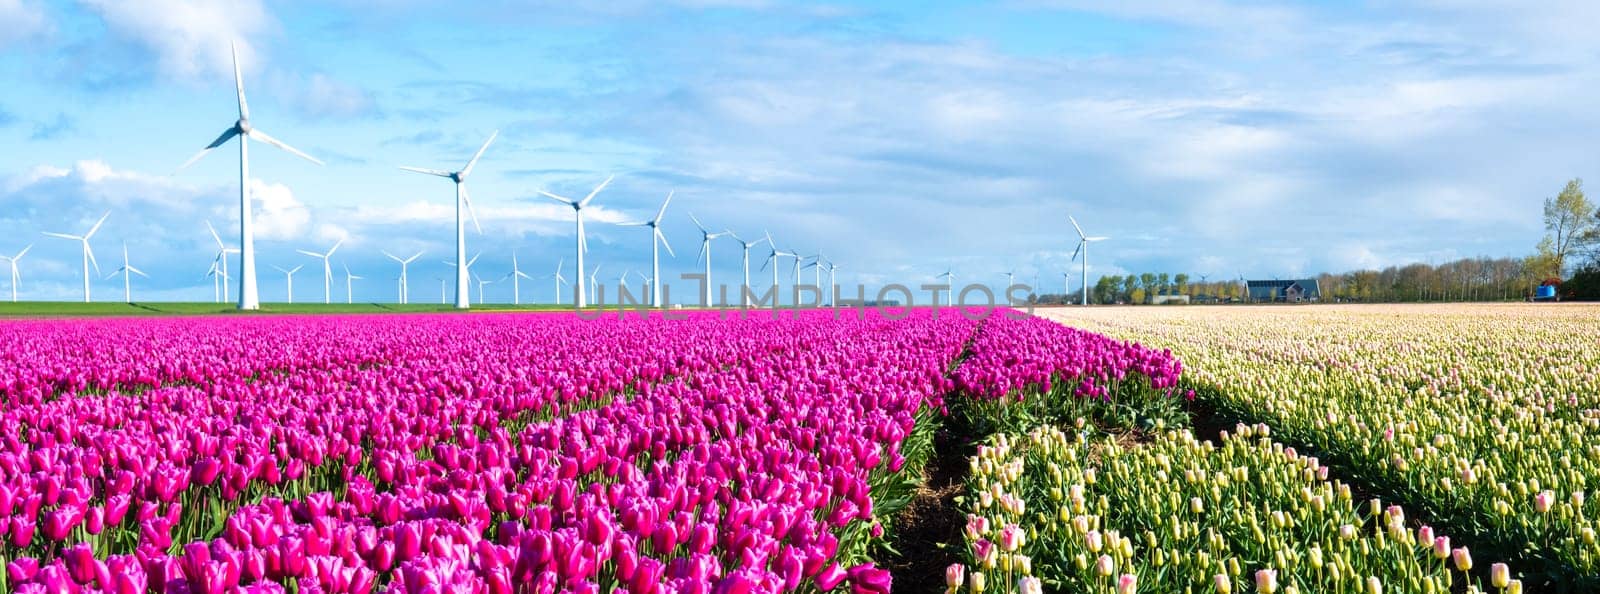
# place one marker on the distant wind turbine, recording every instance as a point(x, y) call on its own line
point(560, 280)
point(470, 262)
point(744, 293)
point(772, 260)
point(289, 276)
point(216, 281)
point(832, 286)
point(481, 283)
point(247, 235)
point(88, 254)
point(15, 276)
point(405, 282)
point(657, 240)
point(1066, 287)
point(516, 275)
point(462, 200)
point(949, 277)
point(582, 242)
point(127, 270)
point(1083, 247)
point(349, 295)
point(221, 261)
point(594, 284)
point(327, 269)
point(705, 256)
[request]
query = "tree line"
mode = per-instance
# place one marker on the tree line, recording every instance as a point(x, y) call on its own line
point(1568, 254)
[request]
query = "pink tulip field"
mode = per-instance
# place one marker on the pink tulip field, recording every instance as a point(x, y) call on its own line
point(497, 452)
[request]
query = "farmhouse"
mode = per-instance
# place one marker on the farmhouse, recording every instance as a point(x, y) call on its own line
point(1288, 291)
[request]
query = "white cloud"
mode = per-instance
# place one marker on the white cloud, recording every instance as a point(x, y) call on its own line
point(21, 20)
point(189, 37)
point(279, 215)
point(320, 96)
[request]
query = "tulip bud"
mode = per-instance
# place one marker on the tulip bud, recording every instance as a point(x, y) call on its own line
point(1105, 566)
point(977, 581)
point(954, 575)
point(1374, 586)
point(1499, 575)
point(1126, 584)
point(1224, 585)
point(1463, 559)
point(1029, 585)
point(1514, 587)
point(1266, 581)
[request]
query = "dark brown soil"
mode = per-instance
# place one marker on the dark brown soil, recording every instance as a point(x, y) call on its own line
point(928, 530)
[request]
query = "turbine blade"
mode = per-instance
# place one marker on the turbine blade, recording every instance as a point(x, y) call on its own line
point(415, 256)
point(138, 272)
point(427, 171)
point(1075, 225)
point(391, 256)
point(264, 137)
point(96, 226)
point(770, 258)
point(663, 210)
point(226, 135)
point(215, 236)
point(309, 253)
point(335, 248)
point(631, 224)
point(238, 82)
point(465, 171)
point(473, 260)
point(21, 253)
point(90, 252)
point(63, 235)
point(697, 222)
point(663, 237)
point(705, 246)
point(1075, 252)
point(597, 189)
point(467, 199)
point(1101, 238)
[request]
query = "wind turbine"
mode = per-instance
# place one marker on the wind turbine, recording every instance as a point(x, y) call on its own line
point(481, 283)
point(247, 233)
point(405, 282)
point(126, 270)
point(797, 260)
point(1083, 247)
point(516, 275)
point(582, 243)
point(594, 284)
point(772, 260)
point(832, 266)
point(349, 294)
point(88, 254)
point(744, 293)
point(705, 255)
point(327, 269)
point(289, 275)
point(949, 277)
point(222, 258)
point(657, 239)
point(560, 279)
point(1066, 286)
point(462, 200)
point(16, 277)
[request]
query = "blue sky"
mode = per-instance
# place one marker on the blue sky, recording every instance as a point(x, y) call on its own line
point(1207, 136)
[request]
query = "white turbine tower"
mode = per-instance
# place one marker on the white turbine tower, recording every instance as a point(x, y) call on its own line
point(216, 289)
point(222, 259)
point(772, 260)
point(127, 270)
point(594, 283)
point(470, 262)
point(1083, 248)
point(582, 242)
point(327, 269)
point(797, 260)
point(15, 276)
point(516, 275)
point(462, 200)
point(349, 295)
point(560, 280)
point(247, 233)
point(405, 281)
point(744, 292)
point(289, 276)
point(88, 254)
point(1066, 287)
point(949, 277)
point(657, 240)
point(705, 256)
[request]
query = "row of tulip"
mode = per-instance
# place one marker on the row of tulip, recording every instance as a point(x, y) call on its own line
point(480, 453)
point(1082, 512)
point(1485, 416)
